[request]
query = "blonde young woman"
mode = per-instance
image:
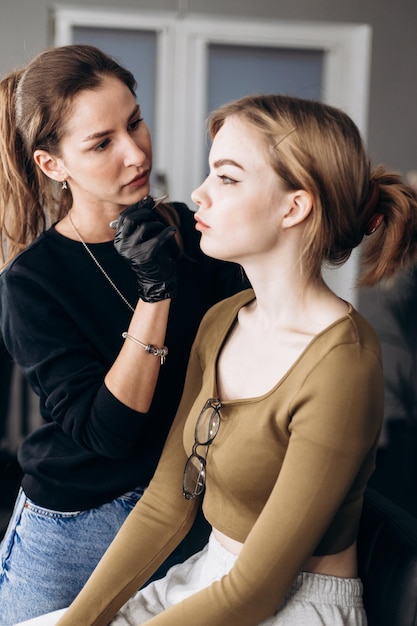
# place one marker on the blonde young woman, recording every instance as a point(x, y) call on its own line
point(93, 295)
point(282, 408)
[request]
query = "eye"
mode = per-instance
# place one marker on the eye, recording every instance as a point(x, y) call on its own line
point(135, 124)
point(226, 180)
point(102, 145)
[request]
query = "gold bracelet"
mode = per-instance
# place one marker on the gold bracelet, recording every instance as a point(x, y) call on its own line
point(161, 352)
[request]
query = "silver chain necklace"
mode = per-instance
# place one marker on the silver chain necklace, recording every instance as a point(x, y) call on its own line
point(102, 270)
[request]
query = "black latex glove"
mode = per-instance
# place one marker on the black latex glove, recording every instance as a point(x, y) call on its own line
point(141, 239)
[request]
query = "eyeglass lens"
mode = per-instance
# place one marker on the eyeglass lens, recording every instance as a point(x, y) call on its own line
point(194, 476)
point(207, 425)
point(206, 429)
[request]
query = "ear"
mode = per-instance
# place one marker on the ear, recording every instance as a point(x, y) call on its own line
point(301, 204)
point(51, 166)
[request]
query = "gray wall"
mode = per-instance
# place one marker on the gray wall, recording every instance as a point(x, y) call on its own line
point(25, 29)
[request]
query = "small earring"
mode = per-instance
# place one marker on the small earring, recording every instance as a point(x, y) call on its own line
point(64, 185)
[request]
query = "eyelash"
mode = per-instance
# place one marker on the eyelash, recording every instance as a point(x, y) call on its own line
point(226, 180)
point(101, 145)
point(132, 126)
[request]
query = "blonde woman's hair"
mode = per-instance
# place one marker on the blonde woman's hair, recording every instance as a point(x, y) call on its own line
point(318, 148)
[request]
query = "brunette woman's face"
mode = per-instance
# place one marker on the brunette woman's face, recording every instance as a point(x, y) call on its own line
point(106, 151)
point(242, 198)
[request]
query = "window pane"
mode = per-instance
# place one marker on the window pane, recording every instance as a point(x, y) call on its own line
point(235, 71)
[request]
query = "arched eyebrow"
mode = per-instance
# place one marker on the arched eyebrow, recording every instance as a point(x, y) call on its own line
point(221, 162)
point(104, 133)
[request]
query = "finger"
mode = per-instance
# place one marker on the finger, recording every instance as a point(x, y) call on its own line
point(166, 234)
point(149, 247)
point(128, 224)
point(147, 204)
point(125, 229)
point(141, 215)
point(145, 232)
point(138, 216)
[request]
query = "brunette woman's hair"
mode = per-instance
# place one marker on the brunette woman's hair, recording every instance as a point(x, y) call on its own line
point(318, 148)
point(35, 104)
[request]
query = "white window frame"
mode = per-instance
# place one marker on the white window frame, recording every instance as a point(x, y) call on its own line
point(182, 75)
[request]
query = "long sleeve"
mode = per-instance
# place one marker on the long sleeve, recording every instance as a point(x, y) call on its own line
point(153, 529)
point(54, 342)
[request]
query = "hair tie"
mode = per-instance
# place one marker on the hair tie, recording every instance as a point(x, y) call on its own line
point(371, 219)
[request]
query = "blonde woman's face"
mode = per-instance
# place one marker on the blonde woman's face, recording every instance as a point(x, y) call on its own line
point(242, 198)
point(106, 151)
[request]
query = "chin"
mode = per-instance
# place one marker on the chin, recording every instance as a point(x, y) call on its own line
point(215, 252)
point(141, 193)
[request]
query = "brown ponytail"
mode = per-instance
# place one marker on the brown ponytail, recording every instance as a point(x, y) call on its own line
point(393, 246)
point(18, 194)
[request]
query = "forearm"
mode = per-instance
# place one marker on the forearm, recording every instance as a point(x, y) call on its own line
point(134, 374)
point(156, 525)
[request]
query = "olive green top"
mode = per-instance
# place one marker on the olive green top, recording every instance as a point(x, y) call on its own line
point(285, 475)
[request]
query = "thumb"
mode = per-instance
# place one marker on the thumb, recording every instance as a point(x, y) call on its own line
point(165, 235)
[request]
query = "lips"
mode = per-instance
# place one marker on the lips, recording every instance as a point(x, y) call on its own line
point(200, 225)
point(139, 180)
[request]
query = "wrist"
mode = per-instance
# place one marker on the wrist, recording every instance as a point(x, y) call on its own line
point(153, 293)
point(161, 352)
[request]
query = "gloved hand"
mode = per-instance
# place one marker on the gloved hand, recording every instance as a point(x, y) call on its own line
point(141, 239)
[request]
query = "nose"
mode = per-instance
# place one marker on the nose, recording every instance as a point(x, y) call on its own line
point(199, 196)
point(135, 153)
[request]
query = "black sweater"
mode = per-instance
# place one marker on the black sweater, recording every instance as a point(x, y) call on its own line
point(62, 323)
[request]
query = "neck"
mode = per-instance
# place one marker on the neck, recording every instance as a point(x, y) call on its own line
point(87, 229)
point(288, 300)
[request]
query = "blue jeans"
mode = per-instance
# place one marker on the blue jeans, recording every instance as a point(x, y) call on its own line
point(47, 556)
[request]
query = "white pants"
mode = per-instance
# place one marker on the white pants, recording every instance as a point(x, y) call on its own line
point(313, 600)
